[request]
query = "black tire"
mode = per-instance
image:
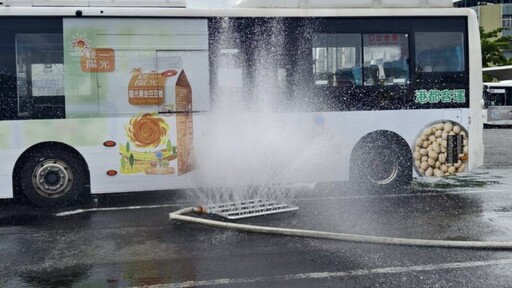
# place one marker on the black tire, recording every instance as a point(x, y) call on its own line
point(52, 177)
point(380, 166)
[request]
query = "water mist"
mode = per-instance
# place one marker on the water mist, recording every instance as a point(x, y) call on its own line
point(255, 140)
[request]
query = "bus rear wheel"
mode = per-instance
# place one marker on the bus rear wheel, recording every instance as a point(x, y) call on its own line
point(52, 178)
point(380, 165)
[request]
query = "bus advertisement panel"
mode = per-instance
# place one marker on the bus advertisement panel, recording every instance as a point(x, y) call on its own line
point(143, 70)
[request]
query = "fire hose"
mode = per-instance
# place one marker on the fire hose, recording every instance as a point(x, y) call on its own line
point(180, 215)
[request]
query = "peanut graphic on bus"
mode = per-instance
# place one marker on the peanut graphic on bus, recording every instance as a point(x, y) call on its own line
point(441, 149)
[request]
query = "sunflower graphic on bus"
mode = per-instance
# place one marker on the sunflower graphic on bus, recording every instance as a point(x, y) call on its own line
point(149, 149)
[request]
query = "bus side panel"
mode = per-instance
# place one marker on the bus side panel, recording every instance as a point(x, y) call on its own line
point(352, 126)
point(88, 136)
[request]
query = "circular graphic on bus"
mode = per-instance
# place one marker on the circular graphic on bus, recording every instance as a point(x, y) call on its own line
point(441, 149)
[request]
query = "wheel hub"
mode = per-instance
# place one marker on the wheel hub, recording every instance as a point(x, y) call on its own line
point(384, 168)
point(52, 178)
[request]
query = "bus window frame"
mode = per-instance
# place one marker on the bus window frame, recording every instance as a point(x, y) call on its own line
point(14, 25)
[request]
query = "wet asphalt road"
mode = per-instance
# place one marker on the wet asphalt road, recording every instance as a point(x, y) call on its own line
point(113, 243)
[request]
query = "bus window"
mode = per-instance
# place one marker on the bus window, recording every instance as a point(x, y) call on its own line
point(496, 96)
point(230, 70)
point(386, 59)
point(40, 73)
point(337, 59)
point(497, 103)
point(439, 52)
point(497, 99)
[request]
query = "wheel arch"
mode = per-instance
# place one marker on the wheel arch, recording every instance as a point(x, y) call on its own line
point(54, 145)
point(383, 136)
point(379, 138)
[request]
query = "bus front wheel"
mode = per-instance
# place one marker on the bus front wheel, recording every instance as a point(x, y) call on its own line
point(52, 177)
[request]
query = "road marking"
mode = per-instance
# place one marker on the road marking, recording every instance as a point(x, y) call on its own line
point(479, 191)
point(78, 211)
point(324, 275)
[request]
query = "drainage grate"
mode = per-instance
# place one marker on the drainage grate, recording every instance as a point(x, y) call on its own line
point(249, 208)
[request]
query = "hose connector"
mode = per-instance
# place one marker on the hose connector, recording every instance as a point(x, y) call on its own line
point(201, 210)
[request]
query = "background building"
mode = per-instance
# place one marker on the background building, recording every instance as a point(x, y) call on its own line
point(492, 15)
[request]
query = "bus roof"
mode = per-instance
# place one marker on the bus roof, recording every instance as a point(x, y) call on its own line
point(499, 72)
point(94, 3)
point(151, 12)
point(240, 4)
point(504, 83)
point(344, 4)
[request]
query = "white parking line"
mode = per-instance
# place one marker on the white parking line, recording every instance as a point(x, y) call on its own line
point(324, 275)
point(78, 211)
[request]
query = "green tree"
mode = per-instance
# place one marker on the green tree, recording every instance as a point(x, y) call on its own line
point(494, 44)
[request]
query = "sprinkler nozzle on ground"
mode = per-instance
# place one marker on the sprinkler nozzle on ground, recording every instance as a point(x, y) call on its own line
point(201, 210)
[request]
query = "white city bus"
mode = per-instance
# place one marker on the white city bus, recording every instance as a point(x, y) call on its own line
point(497, 98)
point(102, 96)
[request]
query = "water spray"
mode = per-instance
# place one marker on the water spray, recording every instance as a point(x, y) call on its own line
point(180, 215)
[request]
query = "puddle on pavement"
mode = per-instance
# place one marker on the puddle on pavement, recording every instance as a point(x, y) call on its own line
point(475, 179)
